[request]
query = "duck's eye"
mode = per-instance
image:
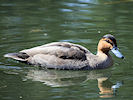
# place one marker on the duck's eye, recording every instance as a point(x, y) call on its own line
point(109, 42)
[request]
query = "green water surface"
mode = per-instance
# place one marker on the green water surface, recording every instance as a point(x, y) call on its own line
point(28, 23)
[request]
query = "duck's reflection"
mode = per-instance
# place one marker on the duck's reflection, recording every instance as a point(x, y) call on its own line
point(104, 86)
point(60, 78)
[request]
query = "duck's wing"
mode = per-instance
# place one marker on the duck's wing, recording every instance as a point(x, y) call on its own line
point(63, 50)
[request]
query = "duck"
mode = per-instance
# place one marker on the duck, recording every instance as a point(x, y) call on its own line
point(69, 56)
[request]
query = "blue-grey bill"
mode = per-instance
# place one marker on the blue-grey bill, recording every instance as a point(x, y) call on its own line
point(117, 53)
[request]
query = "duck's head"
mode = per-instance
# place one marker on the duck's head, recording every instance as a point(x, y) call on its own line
point(107, 43)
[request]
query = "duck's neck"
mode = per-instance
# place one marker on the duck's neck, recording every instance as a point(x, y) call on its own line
point(102, 56)
point(105, 59)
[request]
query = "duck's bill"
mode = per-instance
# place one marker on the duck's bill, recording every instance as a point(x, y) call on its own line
point(117, 53)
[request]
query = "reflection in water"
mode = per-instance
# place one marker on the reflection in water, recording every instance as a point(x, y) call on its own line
point(104, 86)
point(60, 78)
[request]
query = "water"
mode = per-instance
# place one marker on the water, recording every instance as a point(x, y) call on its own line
point(25, 24)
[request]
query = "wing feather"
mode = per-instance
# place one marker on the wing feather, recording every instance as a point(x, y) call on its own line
point(62, 50)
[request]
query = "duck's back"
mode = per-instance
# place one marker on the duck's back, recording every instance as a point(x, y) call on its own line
point(61, 55)
point(59, 49)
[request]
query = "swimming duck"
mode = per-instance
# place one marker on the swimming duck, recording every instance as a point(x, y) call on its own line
point(69, 56)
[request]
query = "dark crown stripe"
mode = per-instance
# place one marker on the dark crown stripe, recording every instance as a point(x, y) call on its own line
point(111, 37)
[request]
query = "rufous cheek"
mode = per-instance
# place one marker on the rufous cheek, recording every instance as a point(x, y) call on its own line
point(104, 46)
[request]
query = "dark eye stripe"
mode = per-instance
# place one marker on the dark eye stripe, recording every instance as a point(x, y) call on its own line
point(109, 42)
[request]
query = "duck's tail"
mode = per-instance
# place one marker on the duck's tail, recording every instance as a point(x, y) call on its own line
point(20, 56)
